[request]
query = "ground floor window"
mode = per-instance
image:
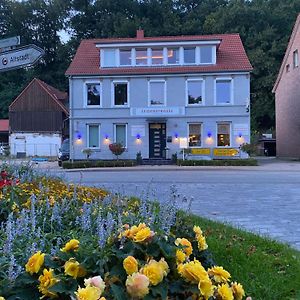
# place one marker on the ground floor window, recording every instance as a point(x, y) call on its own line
point(93, 136)
point(195, 135)
point(223, 134)
point(121, 134)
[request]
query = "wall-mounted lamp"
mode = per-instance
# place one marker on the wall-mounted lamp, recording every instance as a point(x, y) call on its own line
point(106, 136)
point(176, 136)
point(209, 134)
point(209, 139)
point(240, 139)
point(138, 136)
point(78, 138)
point(240, 135)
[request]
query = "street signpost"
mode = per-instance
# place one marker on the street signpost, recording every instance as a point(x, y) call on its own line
point(21, 57)
point(10, 42)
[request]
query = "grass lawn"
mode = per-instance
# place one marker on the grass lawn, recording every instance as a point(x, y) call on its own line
point(268, 270)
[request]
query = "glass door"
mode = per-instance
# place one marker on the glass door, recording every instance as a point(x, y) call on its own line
point(157, 140)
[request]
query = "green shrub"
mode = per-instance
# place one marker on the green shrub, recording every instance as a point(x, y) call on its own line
point(98, 164)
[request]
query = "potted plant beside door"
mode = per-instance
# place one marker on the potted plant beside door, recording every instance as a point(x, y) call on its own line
point(117, 149)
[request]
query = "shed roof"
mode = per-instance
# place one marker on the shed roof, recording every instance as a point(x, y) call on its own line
point(4, 125)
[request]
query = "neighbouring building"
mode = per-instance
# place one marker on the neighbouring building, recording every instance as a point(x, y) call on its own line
point(156, 95)
point(38, 120)
point(4, 131)
point(287, 99)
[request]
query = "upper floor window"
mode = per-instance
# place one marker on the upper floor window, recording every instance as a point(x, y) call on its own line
point(120, 135)
point(157, 56)
point(93, 91)
point(194, 91)
point(109, 57)
point(120, 93)
point(295, 59)
point(206, 54)
point(125, 57)
point(173, 56)
point(93, 136)
point(189, 55)
point(223, 134)
point(195, 135)
point(141, 57)
point(157, 92)
point(223, 91)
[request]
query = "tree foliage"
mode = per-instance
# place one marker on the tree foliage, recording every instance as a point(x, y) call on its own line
point(264, 25)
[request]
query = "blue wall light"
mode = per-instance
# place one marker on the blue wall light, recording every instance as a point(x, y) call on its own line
point(209, 134)
point(138, 136)
point(176, 135)
point(78, 136)
point(240, 135)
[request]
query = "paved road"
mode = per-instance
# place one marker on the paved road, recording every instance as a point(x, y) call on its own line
point(264, 199)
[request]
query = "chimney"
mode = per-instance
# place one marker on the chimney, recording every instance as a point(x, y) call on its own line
point(140, 34)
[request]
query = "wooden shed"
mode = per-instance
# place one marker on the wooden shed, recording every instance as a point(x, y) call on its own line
point(38, 120)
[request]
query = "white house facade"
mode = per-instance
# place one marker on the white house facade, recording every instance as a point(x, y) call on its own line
point(156, 95)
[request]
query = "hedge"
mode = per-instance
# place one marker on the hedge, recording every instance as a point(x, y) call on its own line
point(218, 162)
point(98, 164)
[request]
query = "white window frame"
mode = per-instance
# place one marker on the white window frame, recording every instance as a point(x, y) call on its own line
point(201, 132)
point(149, 92)
point(163, 56)
point(213, 56)
point(231, 91)
point(230, 134)
point(126, 133)
point(102, 58)
point(179, 52)
point(113, 93)
point(88, 135)
point(85, 90)
point(186, 92)
point(148, 59)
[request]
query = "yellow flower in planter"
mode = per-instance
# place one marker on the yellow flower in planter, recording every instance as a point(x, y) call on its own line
point(206, 288)
point(143, 235)
point(225, 292)
point(130, 265)
point(219, 274)
point(47, 280)
point(180, 257)
point(73, 269)
point(188, 249)
point(164, 265)
point(137, 285)
point(202, 245)
point(154, 271)
point(238, 291)
point(35, 262)
point(72, 245)
point(88, 293)
point(193, 272)
point(197, 230)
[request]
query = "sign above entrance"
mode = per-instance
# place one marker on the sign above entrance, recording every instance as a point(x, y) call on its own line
point(158, 111)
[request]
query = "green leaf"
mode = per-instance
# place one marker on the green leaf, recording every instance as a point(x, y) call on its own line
point(160, 290)
point(118, 292)
point(65, 287)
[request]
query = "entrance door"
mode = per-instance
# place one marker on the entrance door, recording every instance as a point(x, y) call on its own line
point(157, 140)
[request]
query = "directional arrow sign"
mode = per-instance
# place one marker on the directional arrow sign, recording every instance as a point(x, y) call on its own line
point(9, 42)
point(19, 58)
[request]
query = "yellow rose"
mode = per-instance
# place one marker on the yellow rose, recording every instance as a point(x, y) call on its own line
point(180, 257)
point(225, 292)
point(238, 291)
point(202, 245)
point(96, 281)
point(164, 265)
point(137, 285)
point(2, 298)
point(35, 262)
point(188, 249)
point(130, 265)
point(143, 235)
point(154, 271)
point(206, 288)
point(193, 272)
point(73, 269)
point(47, 280)
point(88, 293)
point(219, 274)
point(197, 230)
point(72, 245)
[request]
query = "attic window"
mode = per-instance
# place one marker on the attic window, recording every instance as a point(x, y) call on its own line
point(295, 59)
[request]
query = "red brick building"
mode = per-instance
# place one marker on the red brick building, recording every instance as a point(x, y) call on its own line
point(287, 99)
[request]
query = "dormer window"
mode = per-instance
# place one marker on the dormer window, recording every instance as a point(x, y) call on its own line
point(173, 56)
point(157, 56)
point(206, 55)
point(189, 55)
point(125, 57)
point(141, 57)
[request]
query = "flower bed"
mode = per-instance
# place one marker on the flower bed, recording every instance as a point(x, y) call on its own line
point(112, 248)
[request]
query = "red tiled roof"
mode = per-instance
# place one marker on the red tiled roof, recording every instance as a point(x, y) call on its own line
point(231, 56)
point(4, 124)
point(53, 91)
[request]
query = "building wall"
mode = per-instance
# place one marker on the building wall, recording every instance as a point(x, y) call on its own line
point(34, 144)
point(287, 106)
point(208, 114)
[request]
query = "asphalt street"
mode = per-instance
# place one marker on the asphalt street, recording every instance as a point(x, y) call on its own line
point(263, 199)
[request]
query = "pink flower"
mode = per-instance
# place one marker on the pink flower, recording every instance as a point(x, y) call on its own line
point(95, 281)
point(137, 285)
